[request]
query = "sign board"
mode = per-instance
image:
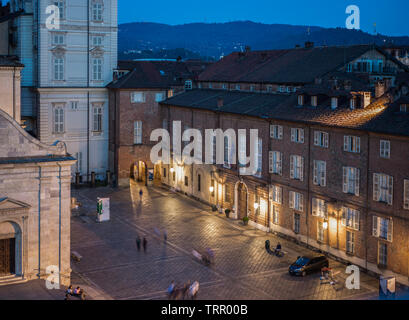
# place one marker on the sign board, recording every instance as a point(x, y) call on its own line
point(387, 287)
point(103, 209)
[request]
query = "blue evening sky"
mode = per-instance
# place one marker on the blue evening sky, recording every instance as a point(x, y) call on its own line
point(391, 16)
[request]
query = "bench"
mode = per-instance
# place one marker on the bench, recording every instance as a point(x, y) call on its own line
point(76, 256)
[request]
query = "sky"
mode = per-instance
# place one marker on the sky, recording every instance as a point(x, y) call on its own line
point(391, 16)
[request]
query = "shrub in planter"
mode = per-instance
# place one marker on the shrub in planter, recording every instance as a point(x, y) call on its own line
point(227, 212)
point(246, 221)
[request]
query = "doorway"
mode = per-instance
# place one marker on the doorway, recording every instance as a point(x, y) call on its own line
point(7, 256)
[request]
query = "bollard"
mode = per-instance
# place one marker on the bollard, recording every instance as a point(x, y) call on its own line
point(109, 178)
point(93, 179)
point(77, 179)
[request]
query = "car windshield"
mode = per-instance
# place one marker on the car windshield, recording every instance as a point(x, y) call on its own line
point(302, 261)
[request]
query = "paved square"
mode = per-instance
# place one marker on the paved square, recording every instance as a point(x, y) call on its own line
point(114, 269)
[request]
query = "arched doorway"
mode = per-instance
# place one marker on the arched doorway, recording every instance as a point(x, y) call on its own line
point(10, 248)
point(242, 200)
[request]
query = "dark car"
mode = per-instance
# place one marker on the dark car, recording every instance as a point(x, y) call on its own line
point(308, 264)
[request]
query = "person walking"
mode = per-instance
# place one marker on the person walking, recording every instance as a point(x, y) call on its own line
point(138, 243)
point(140, 194)
point(165, 236)
point(144, 244)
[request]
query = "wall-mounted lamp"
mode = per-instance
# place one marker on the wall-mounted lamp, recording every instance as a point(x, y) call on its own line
point(325, 225)
point(211, 189)
point(256, 205)
point(172, 170)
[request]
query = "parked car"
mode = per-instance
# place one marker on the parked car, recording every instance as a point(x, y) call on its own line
point(308, 264)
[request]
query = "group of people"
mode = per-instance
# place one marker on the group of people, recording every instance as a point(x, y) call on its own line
point(77, 292)
point(188, 290)
point(144, 243)
point(206, 257)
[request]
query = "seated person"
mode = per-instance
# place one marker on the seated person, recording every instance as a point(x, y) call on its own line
point(278, 248)
point(69, 290)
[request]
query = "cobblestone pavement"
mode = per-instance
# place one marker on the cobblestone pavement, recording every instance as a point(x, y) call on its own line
point(114, 269)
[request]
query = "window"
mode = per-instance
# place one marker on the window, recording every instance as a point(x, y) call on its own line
point(352, 144)
point(300, 100)
point(269, 88)
point(297, 135)
point(296, 201)
point(97, 11)
point(210, 86)
point(321, 139)
point(58, 69)
point(350, 183)
point(159, 96)
point(320, 231)
point(383, 188)
point(319, 208)
point(296, 167)
point(59, 119)
point(350, 218)
point(97, 69)
point(276, 214)
point(252, 87)
point(404, 108)
point(74, 105)
point(227, 193)
point(297, 222)
point(188, 85)
point(406, 194)
point(383, 254)
point(60, 5)
point(227, 151)
point(58, 39)
point(350, 242)
point(314, 101)
point(199, 183)
point(97, 40)
point(170, 93)
point(352, 104)
point(382, 228)
point(137, 97)
point(97, 119)
point(137, 134)
point(164, 172)
point(259, 157)
point(276, 163)
point(276, 194)
point(385, 149)
point(281, 89)
point(320, 173)
point(238, 87)
point(276, 132)
point(186, 181)
point(334, 103)
point(224, 86)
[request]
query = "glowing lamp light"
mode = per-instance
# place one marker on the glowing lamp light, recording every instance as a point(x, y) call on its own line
point(172, 170)
point(256, 205)
point(211, 189)
point(325, 225)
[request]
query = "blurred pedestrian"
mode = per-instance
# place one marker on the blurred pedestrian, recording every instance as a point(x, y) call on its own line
point(138, 243)
point(165, 236)
point(140, 194)
point(144, 244)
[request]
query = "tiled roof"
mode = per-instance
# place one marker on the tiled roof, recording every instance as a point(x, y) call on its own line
point(293, 66)
point(378, 117)
point(153, 74)
point(245, 103)
point(10, 61)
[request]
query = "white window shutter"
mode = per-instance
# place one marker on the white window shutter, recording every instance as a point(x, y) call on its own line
point(280, 195)
point(376, 187)
point(357, 182)
point(301, 202)
point(316, 137)
point(301, 168)
point(390, 230)
point(314, 207)
point(326, 140)
point(346, 143)
point(293, 134)
point(344, 216)
point(280, 163)
point(315, 173)
point(270, 157)
point(406, 194)
point(324, 174)
point(375, 223)
point(390, 190)
point(345, 179)
point(358, 144)
point(302, 135)
point(357, 220)
point(271, 131)
point(292, 164)
point(291, 200)
point(280, 132)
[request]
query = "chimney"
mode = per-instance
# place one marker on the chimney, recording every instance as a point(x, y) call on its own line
point(309, 45)
point(220, 103)
point(380, 89)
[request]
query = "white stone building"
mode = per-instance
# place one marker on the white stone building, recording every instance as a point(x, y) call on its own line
point(66, 70)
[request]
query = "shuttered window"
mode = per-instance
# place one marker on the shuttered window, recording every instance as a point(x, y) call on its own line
point(276, 132)
point(383, 188)
point(385, 149)
point(275, 161)
point(319, 208)
point(321, 139)
point(59, 120)
point(320, 231)
point(350, 218)
point(350, 242)
point(296, 167)
point(276, 194)
point(320, 173)
point(382, 228)
point(350, 180)
point(352, 144)
point(297, 135)
point(138, 132)
point(296, 201)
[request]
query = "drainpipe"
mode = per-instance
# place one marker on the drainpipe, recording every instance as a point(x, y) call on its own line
point(39, 222)
point(367, 203)
point(59, 222)
point(88, 98)
point(308, 188)
point(14, 95)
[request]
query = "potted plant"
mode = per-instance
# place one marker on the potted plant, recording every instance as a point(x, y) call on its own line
point(246, 221)
point(227, 212)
